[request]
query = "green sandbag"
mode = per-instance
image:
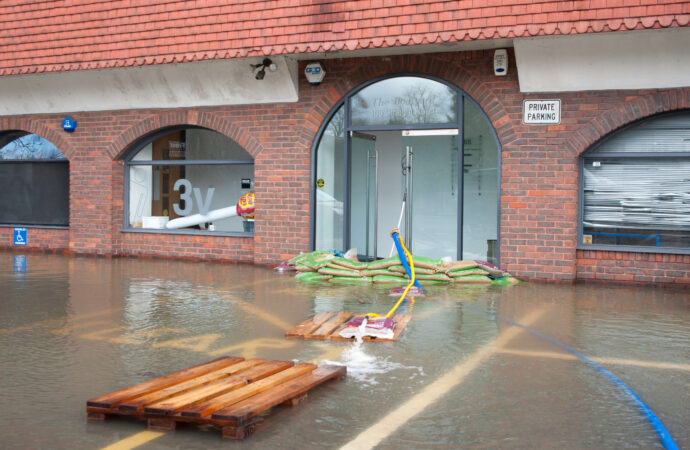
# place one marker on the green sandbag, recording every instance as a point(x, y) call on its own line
point(317, 261)
point(303, 268)
point(506, 281)
point(417, 270)
point(384, 272)
point(350, 280)
point(390, 279)
point(383, 263)
point(465, 272)
point(473, 279)
point(339, 262)
point(310, 255)
point(312, 276)
point(453, 265)
point(431, 277)
point(426, 263)
point(339, 272)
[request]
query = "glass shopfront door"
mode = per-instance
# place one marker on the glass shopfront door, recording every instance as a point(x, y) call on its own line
point(411, 153)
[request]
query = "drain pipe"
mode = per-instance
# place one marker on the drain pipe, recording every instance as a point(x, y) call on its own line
point(666, 439)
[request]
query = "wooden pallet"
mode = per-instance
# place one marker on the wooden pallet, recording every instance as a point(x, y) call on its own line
point(228, 392)
point(327, 325)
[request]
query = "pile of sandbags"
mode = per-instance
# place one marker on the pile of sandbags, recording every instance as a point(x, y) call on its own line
point(326, 266)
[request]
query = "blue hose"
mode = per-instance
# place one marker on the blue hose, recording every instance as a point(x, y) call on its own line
point(666, 439)
point(403, 259)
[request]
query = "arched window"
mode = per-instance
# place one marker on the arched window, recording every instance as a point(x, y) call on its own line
point(188, 180)
point(635, 188)
point(34, 181)
point(410, 151)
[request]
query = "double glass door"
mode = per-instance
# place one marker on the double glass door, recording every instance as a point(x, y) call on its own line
point(406, 180)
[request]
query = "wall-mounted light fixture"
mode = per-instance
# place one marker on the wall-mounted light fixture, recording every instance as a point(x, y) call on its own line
point(260, 69)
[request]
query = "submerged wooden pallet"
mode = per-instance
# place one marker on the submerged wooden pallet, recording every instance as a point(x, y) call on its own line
point(327, 325)
point(228, 392)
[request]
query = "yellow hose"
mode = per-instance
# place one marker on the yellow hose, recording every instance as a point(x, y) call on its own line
point(412, 280)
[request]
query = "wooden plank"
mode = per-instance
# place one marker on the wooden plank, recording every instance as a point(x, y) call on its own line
point(223, 386)
point(223, 401)
point(115, 398)
point(327, 328)
point(336, 334)
point(401, 321)
point(140, 402)
point(243, 412)
point(310, 325)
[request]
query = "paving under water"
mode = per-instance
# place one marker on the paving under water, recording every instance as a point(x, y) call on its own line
point(461, 375)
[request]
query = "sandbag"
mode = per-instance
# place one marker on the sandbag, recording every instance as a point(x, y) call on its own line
point(310, 255)
point(426, 263)
point(339, 262)
point(312, 276)
point(390, 279)
point(459, 265)
point(350, 280)
point(473, 279)
point(433, 277)
point(384, 272)
point(339, 272)
point(303, 268)
point(464, 272)
point(506, 281)
point(417, 270)
point(493, 270)
point(383, 263)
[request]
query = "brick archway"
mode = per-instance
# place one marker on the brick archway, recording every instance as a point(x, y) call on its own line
point(633, 109)
point(207, 120)
point(38, 127)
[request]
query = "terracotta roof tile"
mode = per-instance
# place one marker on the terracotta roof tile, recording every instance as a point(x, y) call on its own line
point(39, 36)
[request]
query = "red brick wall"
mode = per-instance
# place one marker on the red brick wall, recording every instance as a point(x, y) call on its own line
point(217, 248)
point(539, 164)
point(50, 239)
point(643, 268)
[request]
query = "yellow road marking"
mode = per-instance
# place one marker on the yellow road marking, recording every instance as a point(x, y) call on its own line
point(248, 348)
point(331, 353)
point(67, 329)
point(134, 338)
point(373, 436)
point(258, 312)
point(58, 321)
point(611, 361)
point(134, 441)
point(198, 343)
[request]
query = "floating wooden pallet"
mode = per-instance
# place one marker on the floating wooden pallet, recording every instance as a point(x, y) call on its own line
point(327, 325)
point(228, 392)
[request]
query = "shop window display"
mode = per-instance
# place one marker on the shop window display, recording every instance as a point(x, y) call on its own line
point(190, 180)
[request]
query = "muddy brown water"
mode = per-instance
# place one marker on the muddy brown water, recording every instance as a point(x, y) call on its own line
point(73, 328)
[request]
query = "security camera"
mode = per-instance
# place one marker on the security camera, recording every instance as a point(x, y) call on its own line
point(260, 69)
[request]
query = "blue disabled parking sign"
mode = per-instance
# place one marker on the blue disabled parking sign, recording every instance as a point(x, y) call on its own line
point(20, 236)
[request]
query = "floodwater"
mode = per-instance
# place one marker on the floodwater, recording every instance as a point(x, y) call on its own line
point(462, 375)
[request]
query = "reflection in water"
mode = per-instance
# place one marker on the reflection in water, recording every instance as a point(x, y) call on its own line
point(75, 328)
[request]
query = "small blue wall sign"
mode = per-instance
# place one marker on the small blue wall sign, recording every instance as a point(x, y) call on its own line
point(69, 124)
point(20, 236)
